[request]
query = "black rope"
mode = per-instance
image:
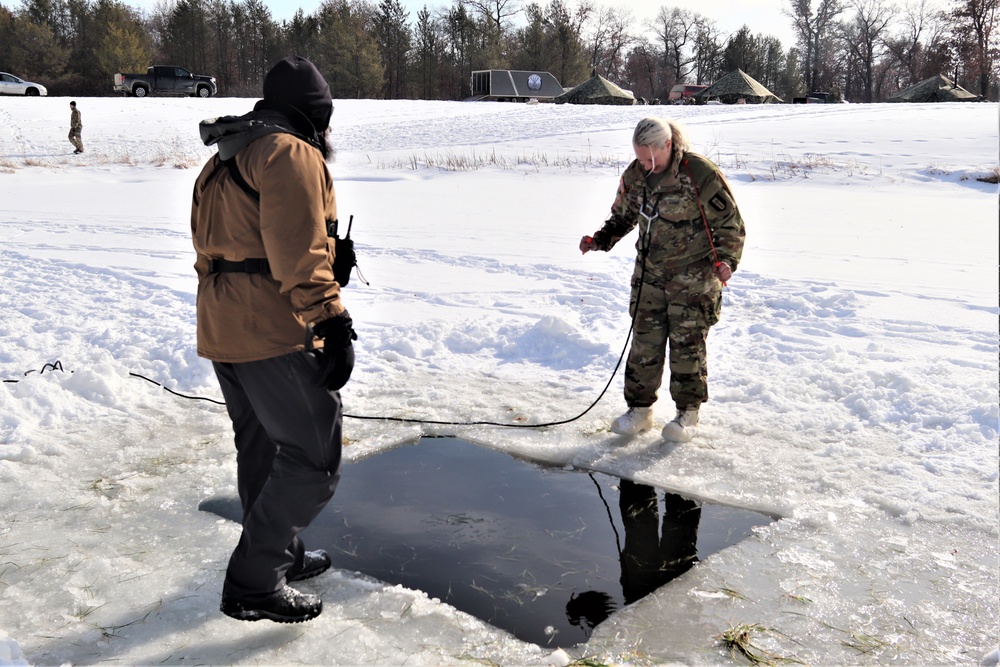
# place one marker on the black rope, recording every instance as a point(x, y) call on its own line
point(559, 422)
point(54, 366)
point(57, 366)
point(638, 296)
point(190, 398)
point(611, 519)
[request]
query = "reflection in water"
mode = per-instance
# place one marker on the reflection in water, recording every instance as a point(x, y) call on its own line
point(653, 554)
point(649, 561)
point(544, 553)
point(588, 609)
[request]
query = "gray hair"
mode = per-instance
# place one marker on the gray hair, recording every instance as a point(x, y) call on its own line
point(655, 132)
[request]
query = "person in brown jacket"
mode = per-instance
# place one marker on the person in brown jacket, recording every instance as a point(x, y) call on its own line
point(267, 298)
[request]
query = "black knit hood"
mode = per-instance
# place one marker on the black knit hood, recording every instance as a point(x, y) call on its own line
point(295, 88)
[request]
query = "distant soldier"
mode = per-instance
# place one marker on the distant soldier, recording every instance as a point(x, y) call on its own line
point(75, 128)
point(690, 242)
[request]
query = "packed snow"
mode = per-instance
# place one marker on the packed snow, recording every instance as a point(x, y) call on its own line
point(853, 377)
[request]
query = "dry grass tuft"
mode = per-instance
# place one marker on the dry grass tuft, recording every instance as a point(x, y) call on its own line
point(992, 177)
point(474, 161)
point(740, 643)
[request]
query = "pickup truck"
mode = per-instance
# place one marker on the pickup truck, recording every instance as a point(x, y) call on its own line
point(166, 81)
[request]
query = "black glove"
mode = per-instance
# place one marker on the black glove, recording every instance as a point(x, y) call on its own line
point(336, 359)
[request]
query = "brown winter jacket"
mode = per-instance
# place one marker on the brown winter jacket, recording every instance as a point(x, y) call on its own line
point(247, 317)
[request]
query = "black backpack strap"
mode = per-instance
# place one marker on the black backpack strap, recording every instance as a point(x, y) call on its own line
point(234, 172)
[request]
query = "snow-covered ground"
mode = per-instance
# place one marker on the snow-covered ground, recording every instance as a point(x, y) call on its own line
point(854, 376)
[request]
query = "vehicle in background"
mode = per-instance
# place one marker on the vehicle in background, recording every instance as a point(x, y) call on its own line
point(12, 85)
point(817, 97)
point(679, 93)
point(509, 85)
point(159, 80)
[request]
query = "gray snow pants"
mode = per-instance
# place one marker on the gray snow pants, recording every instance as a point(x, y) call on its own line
point(288, 451)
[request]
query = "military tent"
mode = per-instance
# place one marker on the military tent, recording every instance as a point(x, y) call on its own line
point(736, 86)
point(935, 89)
point(596, 90)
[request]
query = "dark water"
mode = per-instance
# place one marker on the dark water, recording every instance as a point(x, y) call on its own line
point(541, 552)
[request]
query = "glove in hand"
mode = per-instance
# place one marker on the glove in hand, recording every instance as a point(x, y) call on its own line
point(336, 359)
point(587, 243)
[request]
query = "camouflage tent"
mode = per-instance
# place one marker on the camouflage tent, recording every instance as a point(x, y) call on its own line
point(596, 90)
point(736, 86)
point(935, 89)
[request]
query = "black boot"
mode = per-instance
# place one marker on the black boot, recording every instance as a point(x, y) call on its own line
point(314, 563)
point(285, 606)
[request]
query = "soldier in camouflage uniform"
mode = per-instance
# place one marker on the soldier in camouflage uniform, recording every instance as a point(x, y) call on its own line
point(690, 241)
point(75, 128)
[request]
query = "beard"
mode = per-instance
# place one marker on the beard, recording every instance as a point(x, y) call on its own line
point(326, 149)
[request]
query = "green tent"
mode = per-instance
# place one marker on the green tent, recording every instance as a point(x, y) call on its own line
point(736, 86)
point(596, 90)
point(935, 89)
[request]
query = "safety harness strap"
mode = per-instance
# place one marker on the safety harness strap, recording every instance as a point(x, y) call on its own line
point(252, 265)
point(236, 175)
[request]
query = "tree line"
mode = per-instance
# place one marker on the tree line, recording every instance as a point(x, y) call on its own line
point(862, 50)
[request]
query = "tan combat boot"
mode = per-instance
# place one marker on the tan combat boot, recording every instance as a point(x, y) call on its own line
point(633, 422)
point(683, 427)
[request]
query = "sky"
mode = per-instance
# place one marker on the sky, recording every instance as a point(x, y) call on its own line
point(762, 16)
point(853, 377)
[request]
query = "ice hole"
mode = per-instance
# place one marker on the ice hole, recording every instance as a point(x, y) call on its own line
point(544, 553)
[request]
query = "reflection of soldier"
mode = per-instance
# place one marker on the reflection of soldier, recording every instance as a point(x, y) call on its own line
point(75, 128)
point(651, 557)
point(690, 241)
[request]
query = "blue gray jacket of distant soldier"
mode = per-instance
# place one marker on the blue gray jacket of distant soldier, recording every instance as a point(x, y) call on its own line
point(677, 233)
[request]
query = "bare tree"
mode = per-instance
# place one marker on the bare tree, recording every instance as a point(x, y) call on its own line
point(642, 71)
point(863, 38)
point(599, 35)
point(495, 15)
point(610, 40)
point(906, 45)
point(497, 11)
point(814, 28)
point(676, 31)
point(621, 38)
point(975, 23)
point(708, 50)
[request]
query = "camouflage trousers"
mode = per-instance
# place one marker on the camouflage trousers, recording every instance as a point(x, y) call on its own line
point(678, 311)
point(76, 139)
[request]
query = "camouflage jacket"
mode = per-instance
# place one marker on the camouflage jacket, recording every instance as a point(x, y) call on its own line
point(75, 121)
point(676, 236)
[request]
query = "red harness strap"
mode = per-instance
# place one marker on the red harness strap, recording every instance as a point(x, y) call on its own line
point(704, 218)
